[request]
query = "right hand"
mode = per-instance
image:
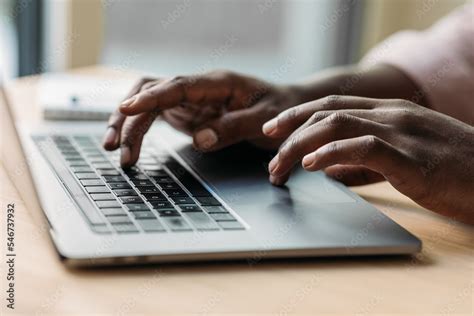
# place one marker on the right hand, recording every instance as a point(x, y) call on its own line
point(218, 109)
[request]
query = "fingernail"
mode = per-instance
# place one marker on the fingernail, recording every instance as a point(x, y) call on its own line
point(128, 102)
point(206, 138)
point(270, 126)
point(110, 136)
point(125, 155)
point(308, 160)
point(272, 166)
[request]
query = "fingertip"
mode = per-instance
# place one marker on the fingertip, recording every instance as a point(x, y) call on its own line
point(205, 139)
point(270, 127)
point(125, 156)
point(308, 162)
point(278, 181)
point(110, 139)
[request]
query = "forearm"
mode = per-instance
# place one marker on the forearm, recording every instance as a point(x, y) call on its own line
point(380, 81)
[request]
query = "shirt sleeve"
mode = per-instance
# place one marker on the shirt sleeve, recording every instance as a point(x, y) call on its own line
point(440, 60)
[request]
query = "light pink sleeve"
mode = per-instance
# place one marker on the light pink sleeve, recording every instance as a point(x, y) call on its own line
point(440, 60)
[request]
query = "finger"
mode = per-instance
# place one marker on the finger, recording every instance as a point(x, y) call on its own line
point(134, 128)
point(336, 126)
point(230, 128)
point(368, 151)
point(215, 87)
point(375, 116)
point(287, 121)
point(353, 175)
point(111, 140)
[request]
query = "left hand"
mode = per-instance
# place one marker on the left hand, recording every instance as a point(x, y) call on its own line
point(426, 155)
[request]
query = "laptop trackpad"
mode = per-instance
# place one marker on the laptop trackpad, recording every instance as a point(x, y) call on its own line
point(239, 175)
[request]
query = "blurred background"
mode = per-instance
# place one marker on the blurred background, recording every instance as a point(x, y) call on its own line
point(279, 40)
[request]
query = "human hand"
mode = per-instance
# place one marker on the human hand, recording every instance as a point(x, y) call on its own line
point(424, 154)
point(218, 109)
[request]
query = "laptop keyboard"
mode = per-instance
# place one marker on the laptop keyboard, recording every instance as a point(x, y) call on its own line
point(157, 195)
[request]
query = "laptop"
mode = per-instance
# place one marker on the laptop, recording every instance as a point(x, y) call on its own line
point(178, 204)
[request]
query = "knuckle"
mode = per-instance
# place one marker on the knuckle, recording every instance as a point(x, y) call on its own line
point(332, 148)
point(404, 116)
point(404, 103)
point(290, 147)
point(373, 143)
point(220, 74)
point(144, 80)
point(338, 118)
point(178, 80)
point(330, 101)
point(318, 116)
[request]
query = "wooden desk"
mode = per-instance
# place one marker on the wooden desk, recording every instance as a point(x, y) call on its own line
point(437, 281)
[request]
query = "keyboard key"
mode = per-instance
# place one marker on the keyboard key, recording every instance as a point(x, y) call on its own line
point(82, 169)
point(175, 192)
point(107, 204)
point(182, 200)
point(92, 183)
point(108, 172)
point(74, 158)
point(137, 207)
point(150, 225)
point(201, 221)
point(78, 163)
point(94, 155)
point(131, 199)
point(119, 185)
point(131, 170)
point(190, 208)
point(162, 205)
point(143, 183)
point(99, 189)
point(100, 159)
point(144, 215)
point(86, 175)
point(156, 173)
point(112, 211)
point(176, 223)
point(91, 151)
point(208, 201)
point(114, 179)
point(103, 165)
point(170, 185)
point(146, 161)
point(154, 197)
point(231, 225)
point(101, 229)
point(168, 212)
point(222, 217)
point(215, 209)
point(147, 189)
point(79, 138)
point(125, 228)
point(119, 219)
point(125, 192)
point(137, 176)
point(165, 179)
point(103, 197)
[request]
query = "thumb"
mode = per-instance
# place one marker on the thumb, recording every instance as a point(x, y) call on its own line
point(230, 128)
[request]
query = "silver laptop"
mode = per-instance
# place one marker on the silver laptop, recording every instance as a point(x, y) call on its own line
point(178, 204)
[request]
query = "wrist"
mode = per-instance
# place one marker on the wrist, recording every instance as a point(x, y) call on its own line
point(380, 81)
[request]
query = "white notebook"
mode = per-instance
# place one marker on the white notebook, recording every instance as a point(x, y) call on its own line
point(81, 97)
